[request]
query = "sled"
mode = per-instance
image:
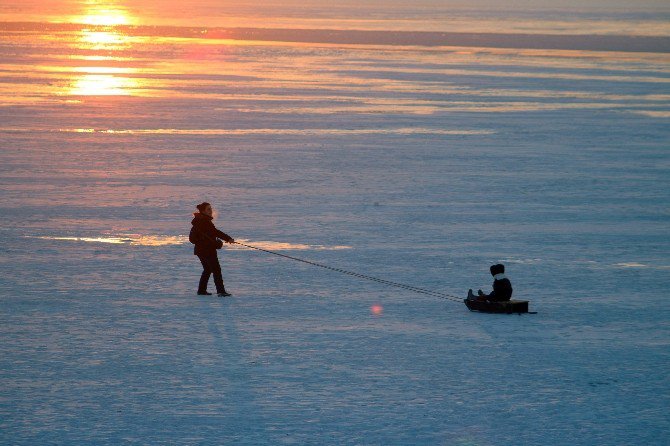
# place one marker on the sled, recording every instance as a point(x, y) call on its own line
point(505, 307)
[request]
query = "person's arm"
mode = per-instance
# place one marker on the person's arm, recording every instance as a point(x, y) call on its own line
point(223, 236)
point(487, 296)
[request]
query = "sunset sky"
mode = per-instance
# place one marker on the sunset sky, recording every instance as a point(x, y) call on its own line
point(194, 13)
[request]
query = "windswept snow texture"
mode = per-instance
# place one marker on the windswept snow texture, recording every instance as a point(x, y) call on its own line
point(416, 165)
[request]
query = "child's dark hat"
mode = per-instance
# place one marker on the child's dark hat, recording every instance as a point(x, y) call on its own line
point(498, 268)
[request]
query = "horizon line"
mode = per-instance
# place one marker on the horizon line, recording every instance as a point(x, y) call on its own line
point(584, 42)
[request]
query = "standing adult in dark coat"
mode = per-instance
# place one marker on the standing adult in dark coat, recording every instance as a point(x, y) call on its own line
point(206, 237)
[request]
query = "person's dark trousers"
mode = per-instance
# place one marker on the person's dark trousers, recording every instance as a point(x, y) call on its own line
point(210, 265)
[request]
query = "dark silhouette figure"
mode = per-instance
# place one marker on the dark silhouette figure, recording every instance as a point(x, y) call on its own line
point(205, 237)
point(502, 287)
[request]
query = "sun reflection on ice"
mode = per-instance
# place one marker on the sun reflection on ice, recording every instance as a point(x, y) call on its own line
point(129, 239)
point(106, 40)
point(105, 35)
point(102, 85)
point(166, 240)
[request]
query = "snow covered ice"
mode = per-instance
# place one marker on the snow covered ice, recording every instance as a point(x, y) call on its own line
point(419, 165)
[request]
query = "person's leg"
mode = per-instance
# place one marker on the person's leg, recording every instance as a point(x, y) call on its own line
point(206, 272)
point(218, 277)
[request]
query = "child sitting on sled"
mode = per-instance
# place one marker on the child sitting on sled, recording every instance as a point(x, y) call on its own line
point(502, 287)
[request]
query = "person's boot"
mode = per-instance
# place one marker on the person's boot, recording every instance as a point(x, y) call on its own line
point(204, 293)
point(224, 293)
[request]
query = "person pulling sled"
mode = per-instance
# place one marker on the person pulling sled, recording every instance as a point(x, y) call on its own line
point(205, 237)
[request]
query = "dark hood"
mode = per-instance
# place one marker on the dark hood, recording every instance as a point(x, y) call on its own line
point(200, 218)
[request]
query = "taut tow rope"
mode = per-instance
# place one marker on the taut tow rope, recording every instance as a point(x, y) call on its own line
point(361, 276)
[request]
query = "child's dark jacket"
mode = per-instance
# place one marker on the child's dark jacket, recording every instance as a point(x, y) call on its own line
point(502, 289)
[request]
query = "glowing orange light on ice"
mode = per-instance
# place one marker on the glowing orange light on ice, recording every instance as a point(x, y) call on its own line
point(377, 310)
point(102, 39)
point(102, 85)
point(104, 36)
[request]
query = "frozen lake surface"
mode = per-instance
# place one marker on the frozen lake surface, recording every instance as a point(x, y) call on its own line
point(412, 164)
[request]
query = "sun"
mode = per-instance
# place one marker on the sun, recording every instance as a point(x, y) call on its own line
point(106, 17)
point(104, 14)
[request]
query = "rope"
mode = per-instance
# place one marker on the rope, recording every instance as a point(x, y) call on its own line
point(361, 276)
